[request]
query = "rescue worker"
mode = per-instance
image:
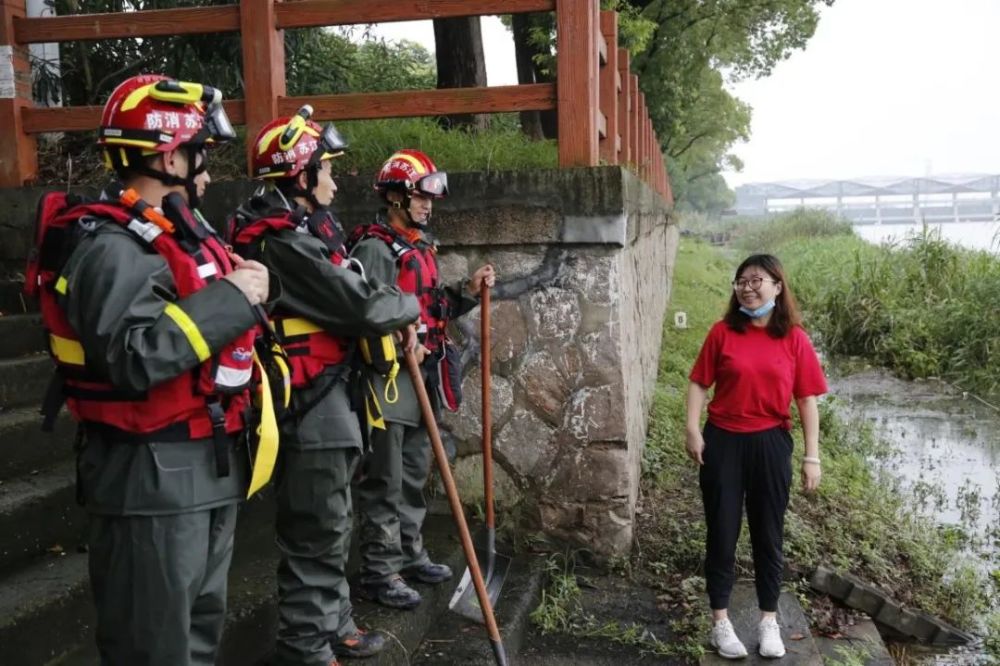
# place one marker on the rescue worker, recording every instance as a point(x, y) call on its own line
point(325, 303)
point(391, 501)
point(152, 327)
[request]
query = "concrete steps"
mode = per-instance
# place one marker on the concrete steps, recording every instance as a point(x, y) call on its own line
point(23, 380)
point(12, 298)
point(800, 648)
point(21, 334)
point(25, 449)
point(861, 643)
point(38, 514)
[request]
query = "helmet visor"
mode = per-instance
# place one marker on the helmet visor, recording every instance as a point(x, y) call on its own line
point(434, 184)
point(220, 129)
point(331, 141)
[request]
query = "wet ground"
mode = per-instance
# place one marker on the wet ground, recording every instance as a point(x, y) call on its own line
point(944, 449)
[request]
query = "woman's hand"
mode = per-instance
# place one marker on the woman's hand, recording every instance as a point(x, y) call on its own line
point(811, 473)
point(695, 446)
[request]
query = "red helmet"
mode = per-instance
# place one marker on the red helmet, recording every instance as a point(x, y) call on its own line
point(286, 146)
point(153, 113)
point(411, 171)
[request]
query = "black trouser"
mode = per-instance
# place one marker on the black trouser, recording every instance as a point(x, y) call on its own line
point(756, 466)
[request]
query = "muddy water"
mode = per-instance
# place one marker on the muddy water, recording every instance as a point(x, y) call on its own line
point(944, 450)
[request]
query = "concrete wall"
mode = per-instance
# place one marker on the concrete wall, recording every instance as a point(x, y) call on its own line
point(585, 258)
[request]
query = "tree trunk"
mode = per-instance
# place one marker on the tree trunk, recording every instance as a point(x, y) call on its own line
point(460, 63)
point(536, 124)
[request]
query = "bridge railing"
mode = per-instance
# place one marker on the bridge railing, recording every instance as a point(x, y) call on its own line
point(602, 116)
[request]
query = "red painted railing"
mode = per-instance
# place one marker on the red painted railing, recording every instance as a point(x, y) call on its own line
point(602, 117)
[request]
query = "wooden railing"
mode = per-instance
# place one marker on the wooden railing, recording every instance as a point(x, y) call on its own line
point(602, 116)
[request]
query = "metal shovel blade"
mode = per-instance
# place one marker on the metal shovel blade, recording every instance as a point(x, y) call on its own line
point(494, 567)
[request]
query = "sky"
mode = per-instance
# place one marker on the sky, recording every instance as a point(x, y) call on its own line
point(884, 88)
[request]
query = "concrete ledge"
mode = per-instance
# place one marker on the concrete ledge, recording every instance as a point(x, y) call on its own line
point(914, 624)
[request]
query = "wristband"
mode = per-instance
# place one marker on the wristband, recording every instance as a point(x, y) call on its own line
point(810, 459)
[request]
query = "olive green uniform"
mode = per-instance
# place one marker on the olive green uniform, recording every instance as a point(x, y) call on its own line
point(321, 448)
point(391, 500)
point(161, 519)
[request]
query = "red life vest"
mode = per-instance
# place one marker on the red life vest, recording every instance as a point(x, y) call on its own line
point(417, 275)
point(215, 393)
point(310, 349)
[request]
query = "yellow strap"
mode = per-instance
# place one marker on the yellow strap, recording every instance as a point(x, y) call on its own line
point(66, 351)
point(297, 326)
point(286, 375)
point(190, 331)
point(62, 285)
point(390, 385)
point(373, 411)
point(267, 436)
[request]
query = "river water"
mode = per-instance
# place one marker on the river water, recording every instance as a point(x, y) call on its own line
point(945, 453)
point(971, 235)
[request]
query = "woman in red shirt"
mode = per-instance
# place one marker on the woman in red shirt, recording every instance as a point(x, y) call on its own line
point(759, 358)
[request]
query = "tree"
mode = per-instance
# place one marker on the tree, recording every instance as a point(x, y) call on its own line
point(458, 44)
point(684, 52)
point(695, 47)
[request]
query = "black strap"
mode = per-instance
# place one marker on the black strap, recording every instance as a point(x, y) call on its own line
point(55, 398)
point(79, 444)
point(220, 439)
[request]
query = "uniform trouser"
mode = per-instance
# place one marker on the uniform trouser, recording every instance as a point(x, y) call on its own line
point(314, 528)
point(391, 501)
point(159, 583)
point(756, 468)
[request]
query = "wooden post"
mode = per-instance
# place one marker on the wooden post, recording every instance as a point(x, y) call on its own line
point(18, 151)
point(624, 105)
point(609, 88)
point(633, 122)
point(576, 84)
point(643, 143)
point(263, 65)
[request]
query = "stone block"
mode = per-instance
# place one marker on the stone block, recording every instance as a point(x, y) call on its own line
point(921, 627)
point(466, 424)
point(594, 473)
point(468, 473)
point(452, 266)
point(831, 583)
point(555, 313)
point(865, 598)
point(598, 279)
point(597, 414)
point(509, 336)
point(602, 356)
point(544, 386)
point(526, 446)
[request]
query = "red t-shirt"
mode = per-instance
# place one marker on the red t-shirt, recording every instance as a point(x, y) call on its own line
point(756, 376)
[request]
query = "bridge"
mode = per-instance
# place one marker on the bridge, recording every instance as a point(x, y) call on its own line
point(881, 200)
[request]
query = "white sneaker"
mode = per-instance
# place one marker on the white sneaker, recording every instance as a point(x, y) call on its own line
point(769, 634)
point(725, 640)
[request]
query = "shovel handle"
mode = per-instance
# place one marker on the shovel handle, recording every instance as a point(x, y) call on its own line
point(487, 383)
point(456, 505)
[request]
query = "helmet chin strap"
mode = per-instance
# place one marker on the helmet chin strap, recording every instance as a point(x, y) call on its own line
point(188, 182)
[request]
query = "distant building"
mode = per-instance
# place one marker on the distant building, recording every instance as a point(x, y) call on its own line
point(942, 198)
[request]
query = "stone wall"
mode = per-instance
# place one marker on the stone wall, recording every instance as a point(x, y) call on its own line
point(585, 258)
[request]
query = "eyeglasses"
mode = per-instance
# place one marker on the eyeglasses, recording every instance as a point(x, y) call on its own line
point(754, 283)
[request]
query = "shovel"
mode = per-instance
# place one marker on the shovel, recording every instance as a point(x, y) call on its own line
point(495, 565)
point(456, 508)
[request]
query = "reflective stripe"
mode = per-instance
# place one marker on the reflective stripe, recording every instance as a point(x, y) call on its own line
point(413, 161)
point(62, 285)
point(190, 331)
point(298, 326)
point(66, 350)
point(147, 231)
point(206, 271)
point(232, 377)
